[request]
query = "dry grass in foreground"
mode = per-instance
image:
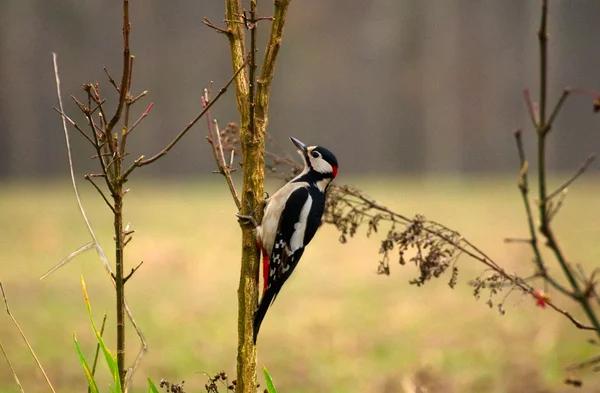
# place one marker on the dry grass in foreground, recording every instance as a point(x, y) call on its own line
point(369, 333)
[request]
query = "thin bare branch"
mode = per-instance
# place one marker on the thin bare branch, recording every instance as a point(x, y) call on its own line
point(558, 107)
point(141, 95)
point(75, 126)
point(116, 159)
point(225, 169)
point(582, 168)
point(131, 273)
point(543, 46)
point(130, 76)
point(555, 205)
point(111, 80)
point(208, 23)
point(577, 324)
point(531, 110)
point(542, 132)
point(141, 162)
point(584, 364)
point(214, 138)
point(524, 188)
point(517, 240)
point(98, 247)
point(108, 152)
point(142, 117)
point(98, 106)
point(128, 103)
point(89, 178)
point(125, 77)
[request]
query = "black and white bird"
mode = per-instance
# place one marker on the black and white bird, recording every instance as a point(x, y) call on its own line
point(291, 218)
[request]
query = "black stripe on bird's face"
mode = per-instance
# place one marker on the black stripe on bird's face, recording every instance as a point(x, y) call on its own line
point(317, 158)
point(322, 161)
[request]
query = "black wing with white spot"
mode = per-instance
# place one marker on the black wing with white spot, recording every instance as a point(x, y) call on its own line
point(283, 257)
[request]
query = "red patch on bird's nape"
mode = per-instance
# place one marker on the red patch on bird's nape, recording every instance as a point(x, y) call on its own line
point(335, 170)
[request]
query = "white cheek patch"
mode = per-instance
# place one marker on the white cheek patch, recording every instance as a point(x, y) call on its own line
point(320, 165)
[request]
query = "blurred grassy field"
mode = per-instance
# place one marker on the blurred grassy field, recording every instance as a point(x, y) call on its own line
point(337, 326)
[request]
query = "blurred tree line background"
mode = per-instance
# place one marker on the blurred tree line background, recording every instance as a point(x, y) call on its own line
point(389, 85)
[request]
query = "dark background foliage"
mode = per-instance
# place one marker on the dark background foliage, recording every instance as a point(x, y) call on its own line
point(394, 85)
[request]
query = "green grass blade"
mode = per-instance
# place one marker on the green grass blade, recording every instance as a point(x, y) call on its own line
point(151, 387)
point(88, 374)
point(269, 381)
point(111, 360)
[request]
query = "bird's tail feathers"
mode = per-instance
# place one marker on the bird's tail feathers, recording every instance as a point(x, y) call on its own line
point(260, 313)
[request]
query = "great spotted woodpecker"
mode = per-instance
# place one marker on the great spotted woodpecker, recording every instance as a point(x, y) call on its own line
point(291, 218)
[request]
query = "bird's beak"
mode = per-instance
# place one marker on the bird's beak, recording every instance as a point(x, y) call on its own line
point(301, 146)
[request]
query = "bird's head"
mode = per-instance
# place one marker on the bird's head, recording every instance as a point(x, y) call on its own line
point(317, 159)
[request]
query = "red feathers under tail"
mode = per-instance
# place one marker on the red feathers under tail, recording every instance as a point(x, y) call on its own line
point(265, 266)
point(260, 313)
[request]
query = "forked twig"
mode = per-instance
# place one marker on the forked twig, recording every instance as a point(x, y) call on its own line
point(214, 138)
point(533, 113)
point(111, 80)
point(582, 168)
point(523, 185)
point(558, 107)
point(89, 178)
point(95, 242)
point(75, 125)
point(141, 161)
point(142, 117)
point(208, 23)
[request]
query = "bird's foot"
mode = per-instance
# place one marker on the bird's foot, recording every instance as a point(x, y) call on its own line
point(249, 219)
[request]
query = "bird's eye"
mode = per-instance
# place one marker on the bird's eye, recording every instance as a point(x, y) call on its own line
point(315, 154)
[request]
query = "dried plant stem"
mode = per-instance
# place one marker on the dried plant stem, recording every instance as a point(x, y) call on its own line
point(12, 370)
point(37, 361)
point(214, 138)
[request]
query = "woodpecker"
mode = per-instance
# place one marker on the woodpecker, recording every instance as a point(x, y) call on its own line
point(291, 218)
